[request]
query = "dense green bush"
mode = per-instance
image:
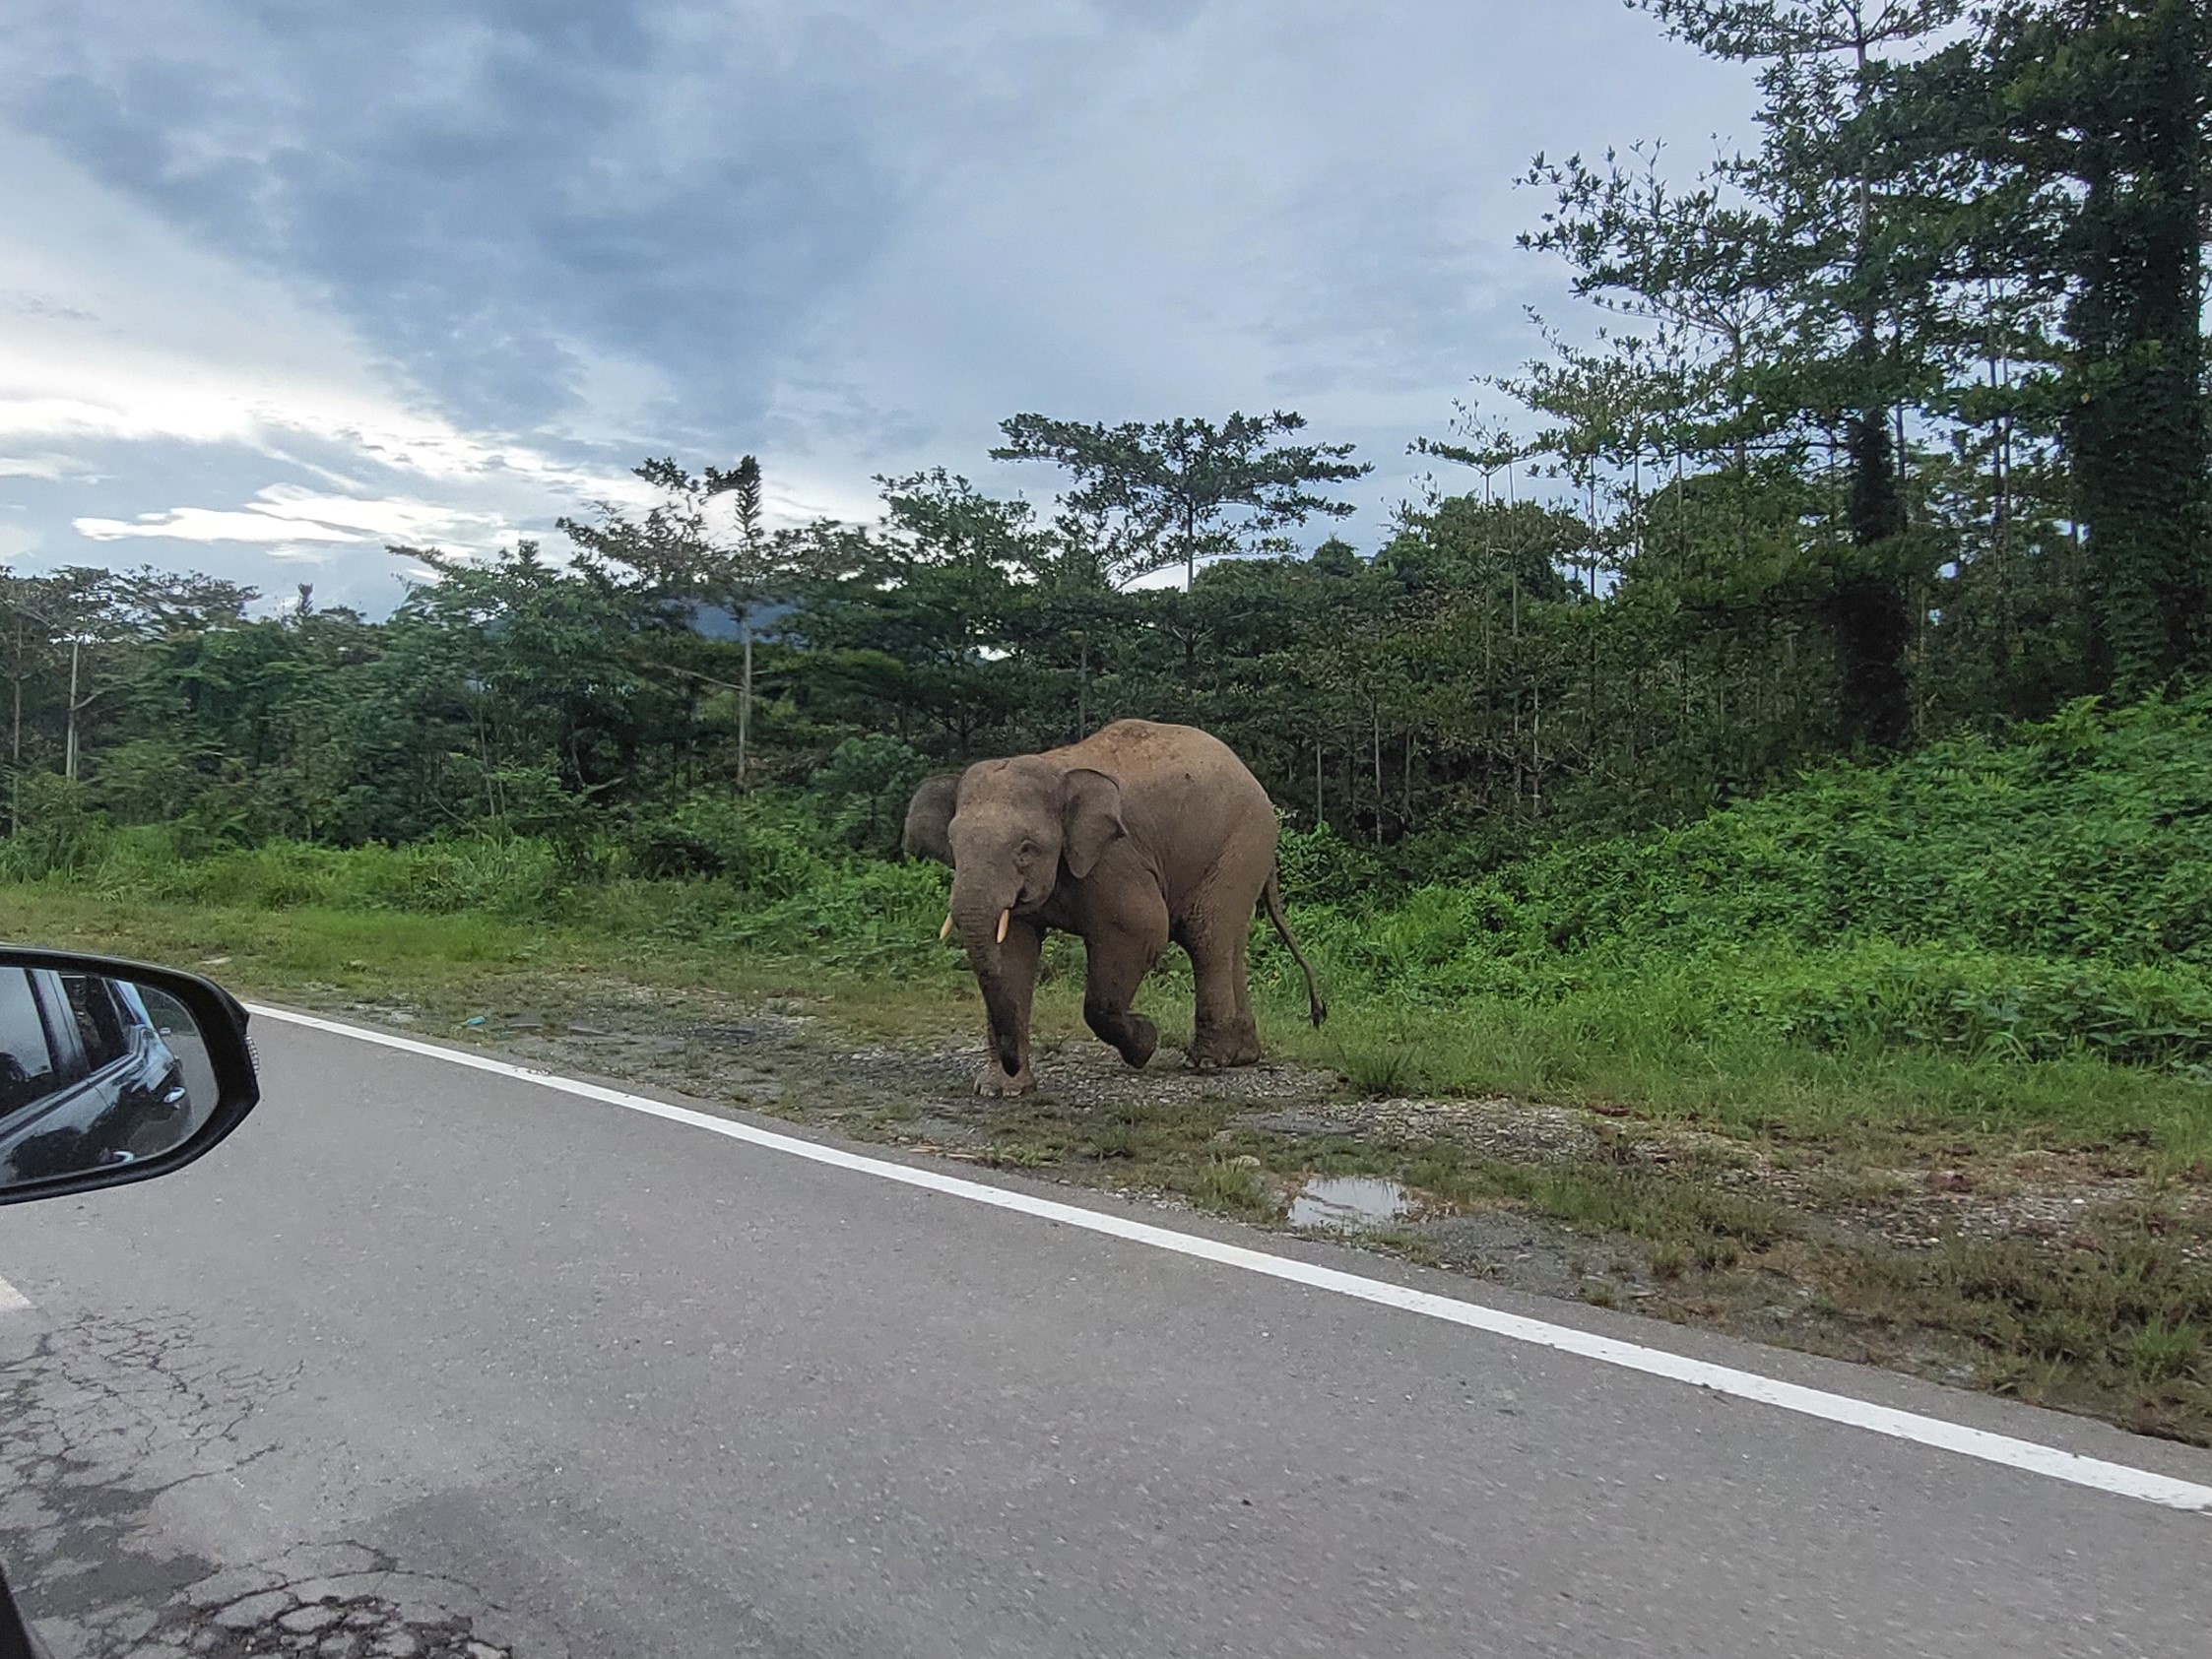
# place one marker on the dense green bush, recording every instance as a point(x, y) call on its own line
point(762, 844)
point(2041, 896)
point(2084, 837)
point(507, 875)
point(2009, 1007)
point(861, 792)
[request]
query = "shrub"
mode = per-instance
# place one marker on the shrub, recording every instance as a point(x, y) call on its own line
point(2048, 896)
point(760, 845)
point(2007, 1008)
point(57, 831)
point(861, 792)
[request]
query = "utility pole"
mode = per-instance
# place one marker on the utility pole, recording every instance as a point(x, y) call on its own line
point(69, 761)
point(75, 706)
point(15, 739)
point(1082, 683)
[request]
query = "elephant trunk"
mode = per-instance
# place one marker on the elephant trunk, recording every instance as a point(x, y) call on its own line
point(978, 916)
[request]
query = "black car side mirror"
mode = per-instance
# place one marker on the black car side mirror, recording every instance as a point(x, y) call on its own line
point(113, 1072)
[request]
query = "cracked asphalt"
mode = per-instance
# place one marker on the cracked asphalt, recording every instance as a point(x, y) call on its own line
point(103, 1419)
point(432, 1362)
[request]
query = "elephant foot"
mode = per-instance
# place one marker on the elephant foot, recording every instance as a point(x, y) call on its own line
point(1213, 1051)
point(994, 1081)
point(1140, 1044)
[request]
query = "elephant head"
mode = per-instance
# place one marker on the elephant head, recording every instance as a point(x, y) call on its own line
point(1011, 830)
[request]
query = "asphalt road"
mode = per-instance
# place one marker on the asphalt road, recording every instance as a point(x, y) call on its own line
point(426, 1359)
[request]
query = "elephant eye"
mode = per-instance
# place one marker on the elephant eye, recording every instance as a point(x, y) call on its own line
point(1027, 851)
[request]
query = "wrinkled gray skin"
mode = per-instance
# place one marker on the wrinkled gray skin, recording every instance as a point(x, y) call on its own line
point(1138, 835)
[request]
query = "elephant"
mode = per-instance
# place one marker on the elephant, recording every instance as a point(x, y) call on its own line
point(1140, 833)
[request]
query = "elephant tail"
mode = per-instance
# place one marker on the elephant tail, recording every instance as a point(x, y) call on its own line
point(1274, 892)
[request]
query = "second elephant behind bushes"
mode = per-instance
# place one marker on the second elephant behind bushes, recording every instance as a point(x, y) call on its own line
point(1138, 835)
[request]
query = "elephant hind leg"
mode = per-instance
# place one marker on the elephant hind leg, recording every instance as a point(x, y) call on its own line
point(1217, 935)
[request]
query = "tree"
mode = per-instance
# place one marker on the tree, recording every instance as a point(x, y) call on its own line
point(942, 518)
point(1165, 492)
point(1851, 294)
point(742, 487)
point(701, 572)
point(68, 625)
point(34, 615)
point(2092, 122)
point(153, 602)
point(1694, 265)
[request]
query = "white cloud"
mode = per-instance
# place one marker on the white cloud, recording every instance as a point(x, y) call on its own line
point(289, 514)
point(201, 524)
point(1274, 203)
point(117, 330)
point(50, 466)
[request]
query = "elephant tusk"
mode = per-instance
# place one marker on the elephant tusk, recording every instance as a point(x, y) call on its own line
point(1004, 918)
point(945, 933)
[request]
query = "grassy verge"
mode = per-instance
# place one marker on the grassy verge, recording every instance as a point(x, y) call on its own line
point(1657, 1042)
point(2038, 1227)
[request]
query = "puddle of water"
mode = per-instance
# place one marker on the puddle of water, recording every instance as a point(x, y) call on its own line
point(1344, 1202)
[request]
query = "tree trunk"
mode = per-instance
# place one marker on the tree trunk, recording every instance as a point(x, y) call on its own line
point(1866, 605)
point(1536, 756)
point(1375, 712)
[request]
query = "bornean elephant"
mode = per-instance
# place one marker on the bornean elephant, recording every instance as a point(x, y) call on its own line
point(1137, 834)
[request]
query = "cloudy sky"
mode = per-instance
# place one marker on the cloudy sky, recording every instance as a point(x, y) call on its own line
point(282, 282)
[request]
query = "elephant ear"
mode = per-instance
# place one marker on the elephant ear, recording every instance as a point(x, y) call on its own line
point(1090, 818)
point(929, 819)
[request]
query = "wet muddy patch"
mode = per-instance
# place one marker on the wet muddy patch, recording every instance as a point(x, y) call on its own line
point(1348, 1204)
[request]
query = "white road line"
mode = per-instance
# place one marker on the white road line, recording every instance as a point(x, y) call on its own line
point(2095, 1472)
point(12, 1301)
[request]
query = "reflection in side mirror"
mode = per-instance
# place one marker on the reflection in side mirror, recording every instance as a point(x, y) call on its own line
point(101, 1072)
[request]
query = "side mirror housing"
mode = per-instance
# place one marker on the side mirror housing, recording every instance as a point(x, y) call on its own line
point(113, 1072)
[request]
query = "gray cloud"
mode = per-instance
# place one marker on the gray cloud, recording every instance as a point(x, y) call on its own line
point(849, 235)
point(481, 186)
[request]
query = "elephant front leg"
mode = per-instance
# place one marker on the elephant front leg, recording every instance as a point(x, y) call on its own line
point(1117, 958)
point(1009, 1011)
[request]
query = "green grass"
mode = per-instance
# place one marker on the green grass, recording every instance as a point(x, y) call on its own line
point(320, 955)
point(1231, 1188)
point(1638, 1047)
point(1660, 1044)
